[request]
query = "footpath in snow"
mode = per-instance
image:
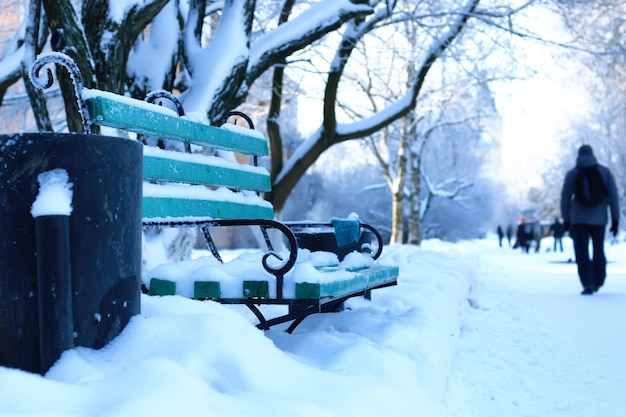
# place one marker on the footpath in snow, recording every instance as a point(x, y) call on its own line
point(531, 345)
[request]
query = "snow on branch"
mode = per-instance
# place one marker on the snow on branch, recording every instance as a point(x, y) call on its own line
point(290, 36)
point(219, 61)
point(10, 66)
point(449, 188)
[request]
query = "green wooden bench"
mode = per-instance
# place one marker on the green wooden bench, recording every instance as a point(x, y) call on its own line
point(184, 189)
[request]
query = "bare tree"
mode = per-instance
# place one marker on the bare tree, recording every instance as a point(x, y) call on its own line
point(597, 31)
point(212, 52)
point(387, 67)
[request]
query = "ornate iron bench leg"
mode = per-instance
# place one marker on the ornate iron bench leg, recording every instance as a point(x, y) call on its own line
point(262, 321)
point(295, 324)
point(210, 244)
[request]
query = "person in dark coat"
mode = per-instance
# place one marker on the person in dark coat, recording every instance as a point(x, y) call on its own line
point(588, 222)
point(500, 235)
point(522, 239)
point(537, 235)
point(558, 231)
point(509, 234)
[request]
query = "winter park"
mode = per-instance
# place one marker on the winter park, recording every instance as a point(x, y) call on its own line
point(312, 208)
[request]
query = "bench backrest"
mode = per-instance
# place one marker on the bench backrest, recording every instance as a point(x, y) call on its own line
point(182, 186)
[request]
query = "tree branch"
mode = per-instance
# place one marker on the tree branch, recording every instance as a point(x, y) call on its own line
point(273, 127)
point(35, 95)
point(331, 133)
point(111, 40)
point(294, 35)
point(11, 63)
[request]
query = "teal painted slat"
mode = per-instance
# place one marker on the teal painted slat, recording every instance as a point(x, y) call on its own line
point(206, 290)
point(162, 287)
point(362, 280)
point(379, 275)
point(165, 207)
point(156, 168)
point(122, 115)
point(256, 289)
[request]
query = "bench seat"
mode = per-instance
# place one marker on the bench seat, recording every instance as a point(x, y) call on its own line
point(327, 281)
point(233, 283)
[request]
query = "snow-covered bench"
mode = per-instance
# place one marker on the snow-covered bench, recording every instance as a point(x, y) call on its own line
point(183, 189)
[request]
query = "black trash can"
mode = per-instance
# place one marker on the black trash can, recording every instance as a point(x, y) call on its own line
point(104, 238)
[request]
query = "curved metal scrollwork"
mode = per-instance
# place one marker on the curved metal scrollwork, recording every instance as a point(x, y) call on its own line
point(152, 96)
point(372, 248)
point(279, 271)
point(247, 118)
point(379, 239)
point(43, 82)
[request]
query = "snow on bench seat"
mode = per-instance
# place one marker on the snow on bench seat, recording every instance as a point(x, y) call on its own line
point(184, 202)
point(159, 164)
point(316, 275)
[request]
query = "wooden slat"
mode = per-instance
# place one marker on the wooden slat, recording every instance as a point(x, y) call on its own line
point(162, 287)
point(157, 168)
point(137, 118)
point(362, 280)
point(207, 290)
point(168, 207)
point(256, 289)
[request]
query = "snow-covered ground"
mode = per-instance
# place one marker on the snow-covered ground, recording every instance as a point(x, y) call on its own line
point(530, 345)
point(471, 330)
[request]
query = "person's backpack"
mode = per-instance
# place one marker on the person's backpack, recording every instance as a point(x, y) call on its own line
point(590, 189)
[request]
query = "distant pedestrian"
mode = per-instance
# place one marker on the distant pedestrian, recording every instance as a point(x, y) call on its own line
point(500, 235)
point(509, 234)
point(557, 231)
point(537, 235)
point(522, 236)
point(588, 189)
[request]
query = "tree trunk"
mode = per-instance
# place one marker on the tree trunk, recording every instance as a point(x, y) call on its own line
point(111, 41)
point(397, 192)
point(397, 218)
point(35, 95)
point(415, 221)
point(69, 39)
point(273, 128)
